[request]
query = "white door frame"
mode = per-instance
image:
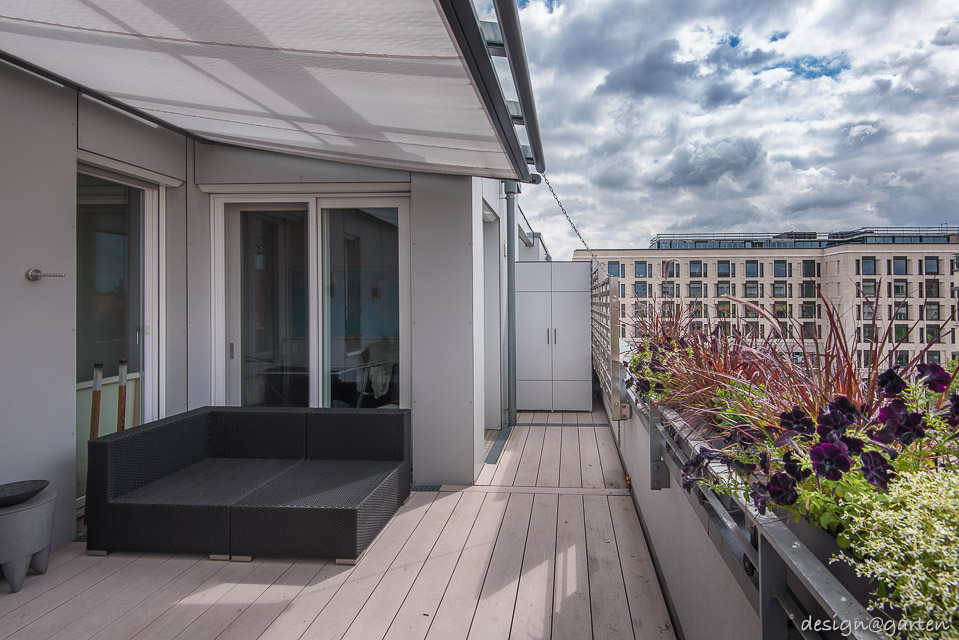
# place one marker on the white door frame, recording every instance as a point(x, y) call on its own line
point(315, 204)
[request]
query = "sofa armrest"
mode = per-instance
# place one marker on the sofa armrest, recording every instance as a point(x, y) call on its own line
point(121, 462)
point(358, 434)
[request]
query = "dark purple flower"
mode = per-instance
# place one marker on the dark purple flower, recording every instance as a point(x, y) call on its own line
point(764, 461)
point(796, 420)
point(876, 469)
point(658, 387)
point(743, 434)
point(642, 386)
point(934, 377)
point(760, 496)
point(785, 438)
point(829, 461)
point(910, 429)
point(782, 489)
point(952, 415)
point(890, 383)
point(853, 445)
point(793, 468)
point(832, 423)
point(900, 425)
point(844, 406)
point(892, 413)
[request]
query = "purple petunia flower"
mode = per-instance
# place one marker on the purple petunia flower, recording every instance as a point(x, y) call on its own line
point(952, 414)
point(760, 496)
point(845, 407)
point(782, 489)
point(934, 377)
point(832, 424)
point(901, 425)
point(893, 412)
point(876, 469)
point(642, 386)
point(793, 468)
point(796, 420)
point(829, 461)
point(891, 383)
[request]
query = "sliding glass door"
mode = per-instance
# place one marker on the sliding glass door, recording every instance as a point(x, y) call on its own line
point(268, 319)
point(361, 307)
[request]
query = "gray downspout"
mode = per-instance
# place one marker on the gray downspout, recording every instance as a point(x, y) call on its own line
point(512, 188)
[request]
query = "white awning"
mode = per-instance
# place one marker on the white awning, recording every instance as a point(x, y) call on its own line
point(378, 82)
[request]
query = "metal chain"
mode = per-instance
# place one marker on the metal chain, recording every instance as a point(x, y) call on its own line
point(568, 219)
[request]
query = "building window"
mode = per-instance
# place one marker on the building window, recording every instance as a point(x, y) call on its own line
point(869, 266)
point(934, 356)
point(868, 311)
point(725, 269)
point(809, 330)
point(900, 289)
point(667, 310)
point(807, 310)
point(751, 329)
point(641, 289)
point(724, 310)
point(866, 358)
point(753, 268)
point(807, 289)
point(670, 269)
point(622, 331)
point(752, 289)
point(902, 311)
point(779, 289)
point(695, 289)
point(613, 269)
point(641, 270)
point(779, 310)
point(696, 269)
point(901, 333)
point(868, 288)
point(902, 357)
point(808, 268)
point(751, 313)
point(641, 309)
point(933, 333)
point(668, 290)
point(900, 266)
point(785, 330)
point(868, 333)
point(932, 288)
point(696, 309)
point(779, 269)
point(723, 289)
point(932, 311)
point(622, 289)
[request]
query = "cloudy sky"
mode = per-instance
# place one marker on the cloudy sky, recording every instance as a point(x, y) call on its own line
point(693, 116)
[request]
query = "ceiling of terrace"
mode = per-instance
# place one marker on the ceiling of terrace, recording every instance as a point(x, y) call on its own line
point(379, 82)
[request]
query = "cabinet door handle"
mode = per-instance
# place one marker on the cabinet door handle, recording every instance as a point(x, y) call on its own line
point(554, 336)
point(547, 335)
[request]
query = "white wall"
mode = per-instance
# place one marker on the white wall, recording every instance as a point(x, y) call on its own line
point(38, 133)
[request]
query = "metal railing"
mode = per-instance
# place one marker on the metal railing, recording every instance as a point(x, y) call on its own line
point(604, 305)
point(762, 553)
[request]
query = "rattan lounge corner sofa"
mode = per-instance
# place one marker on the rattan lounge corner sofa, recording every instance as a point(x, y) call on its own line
point(241, 482)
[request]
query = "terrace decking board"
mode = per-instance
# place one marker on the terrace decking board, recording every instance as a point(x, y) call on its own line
point(492, 561)
point(466, 583)
point(377, 614)
point(529, 462)
point(591, 467)
point(549, 462)
point(494, 611)
point(46, 625)
point(263, 611)
point(533, 615)
point(572, 619)
point(415, 616)
point(570, 472)
point(486, 475)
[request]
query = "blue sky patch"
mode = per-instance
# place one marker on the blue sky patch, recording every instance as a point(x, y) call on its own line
point(778, 35)
point(811, 67)
point(733, 41)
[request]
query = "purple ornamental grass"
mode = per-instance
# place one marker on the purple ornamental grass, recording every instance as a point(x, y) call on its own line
point(934, 377)
point(829, 461)
point(876, 469)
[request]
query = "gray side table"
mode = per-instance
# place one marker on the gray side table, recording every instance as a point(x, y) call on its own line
point(26, 531)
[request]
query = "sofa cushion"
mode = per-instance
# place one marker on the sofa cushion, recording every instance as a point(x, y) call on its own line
point(320, 508)
point(258, 432)
point(358, 434)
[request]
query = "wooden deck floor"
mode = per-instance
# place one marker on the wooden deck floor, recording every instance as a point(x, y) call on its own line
point(548, 547)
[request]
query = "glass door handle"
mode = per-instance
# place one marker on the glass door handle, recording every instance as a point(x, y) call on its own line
point(554, 336)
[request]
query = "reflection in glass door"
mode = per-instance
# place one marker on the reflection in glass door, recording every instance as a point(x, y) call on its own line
point(109, 308)
point(361, 309)
point(268, 322)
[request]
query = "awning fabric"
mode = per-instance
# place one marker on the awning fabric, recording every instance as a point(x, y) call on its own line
point(377, 82)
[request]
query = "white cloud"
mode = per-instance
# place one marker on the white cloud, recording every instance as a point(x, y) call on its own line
point(823, 115)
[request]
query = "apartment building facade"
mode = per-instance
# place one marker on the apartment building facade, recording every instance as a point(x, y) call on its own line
point(904, 278)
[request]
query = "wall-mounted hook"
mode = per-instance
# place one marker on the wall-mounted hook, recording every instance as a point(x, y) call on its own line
point(35, 274)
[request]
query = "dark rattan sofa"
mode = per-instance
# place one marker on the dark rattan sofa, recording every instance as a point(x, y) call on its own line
point(232, 481)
